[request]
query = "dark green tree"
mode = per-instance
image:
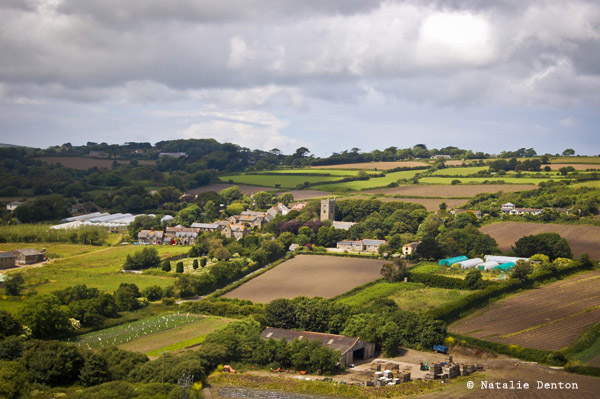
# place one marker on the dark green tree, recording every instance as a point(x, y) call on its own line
point(14, 284)
point(44, 316)
point(9, 325)
point(179, 267)
point(126, 297)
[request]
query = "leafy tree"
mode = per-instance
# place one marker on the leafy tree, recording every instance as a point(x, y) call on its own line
point(521, 271)
point(186, 286)
point(95, 370)
point(211, 211)
point(569, 152)
point(429, 249)
point(120, 362)
point(281, 313)
point(143, 222)
point(9, 325)
point(231, 194)
point(153, 293)
point(13, 380)
point(189, 215)
point(52, 362)
point(126, 297)
point(473, 278)
point(147, 257)
point(549, 244)
point(14, 284)
point(44, 317)
point(395, 271)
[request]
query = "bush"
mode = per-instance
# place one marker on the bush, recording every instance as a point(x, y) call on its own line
point(203, 261)
point(153, 293)
point(195, 264)
point(52, 362)
point(147, 257)
point(166, 265)
point(179, 267)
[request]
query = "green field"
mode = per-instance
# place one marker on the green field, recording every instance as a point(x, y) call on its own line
point(414, 297)
point(585, 160)
point(461, 171)
point(284, 181)
point(591, 183)
point(372, 182)
point(316, 172)
point(131, 331)
point(99, 267)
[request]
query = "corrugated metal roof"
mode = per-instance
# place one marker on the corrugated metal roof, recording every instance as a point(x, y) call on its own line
point(332, 341)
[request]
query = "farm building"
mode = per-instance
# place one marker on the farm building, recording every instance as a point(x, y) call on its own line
point(351, 348)
point(469, 263)
point(116, 222)
point(238, 231)
point(278, 209)
point(28, 256)
point(298, 206)
point(181, 235)
point(477, 213)
point(150, 237)
point(342, 225)
point(451, 261)
point(14, 205)
point(361, 245)
point(503, 259)
point(7, 260)
point(525, 211)
point(207, 226)
point(409, 249)
point(506, 208)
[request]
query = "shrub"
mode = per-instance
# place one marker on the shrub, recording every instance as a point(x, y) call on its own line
point(179, 267)
point(166, 265)
point(195, 264)
point(147, 257)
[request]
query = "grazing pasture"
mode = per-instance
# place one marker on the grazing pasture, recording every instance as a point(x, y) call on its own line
point(222, 186)
point(309, 275)
point(284, 181)
point(442, 191)
point(548, 318)
point(84, 163)
point(464, 171)
point(372, 182)
point(374, 165)
point(581, 238)
point(414, 297)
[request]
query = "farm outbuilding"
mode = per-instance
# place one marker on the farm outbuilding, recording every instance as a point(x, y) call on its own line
point(28, 256)
point(451, 261)
point(503, 259)
point(470, 263)
point(351, 348)
point(487, 265)
point(505, 266)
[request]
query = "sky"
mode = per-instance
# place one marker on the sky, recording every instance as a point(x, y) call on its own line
point(328, 75)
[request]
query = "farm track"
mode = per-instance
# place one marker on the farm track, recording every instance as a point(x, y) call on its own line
point(309, 275)
point(547, 318)
point(445, 191)
point(581, 238)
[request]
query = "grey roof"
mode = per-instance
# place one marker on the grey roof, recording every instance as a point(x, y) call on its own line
point(342, 225)
point(205, 225)
point(332, 341)
point(28, 251)
point(373, 242)
point(9, 254)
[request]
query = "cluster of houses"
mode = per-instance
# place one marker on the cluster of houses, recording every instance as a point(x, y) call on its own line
point(361, 245)
point(19, 257)
point(511, 209)
point(236, 226)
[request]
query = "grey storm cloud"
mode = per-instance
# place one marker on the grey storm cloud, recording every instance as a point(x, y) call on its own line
point(439, 51)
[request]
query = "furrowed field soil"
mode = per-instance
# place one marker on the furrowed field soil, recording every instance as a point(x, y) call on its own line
point(582, 239)
point(83, 163)
point(548, 318)
point(458, 191)
point(374, 165)
point(309, 275)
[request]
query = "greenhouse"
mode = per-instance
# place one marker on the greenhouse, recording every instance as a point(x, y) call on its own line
point(451, 261)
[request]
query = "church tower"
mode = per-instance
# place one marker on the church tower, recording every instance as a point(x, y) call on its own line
point(327, 209)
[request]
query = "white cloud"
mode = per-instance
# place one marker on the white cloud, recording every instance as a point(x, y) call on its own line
point(251, 129)
point(570, 122)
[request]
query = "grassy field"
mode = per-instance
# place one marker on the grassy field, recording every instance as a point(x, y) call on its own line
point(99, 268)
point(462, 171)
point(409, 296)
point(53, 250)
point(375, 165)
point(588, 160)
point(129, 332)
point(371, 183)
point(272, 180)
point(316, 172)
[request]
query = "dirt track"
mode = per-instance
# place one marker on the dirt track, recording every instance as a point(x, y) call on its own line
point(309, 275)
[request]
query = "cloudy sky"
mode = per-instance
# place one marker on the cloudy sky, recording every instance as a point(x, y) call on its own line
point(328, 75)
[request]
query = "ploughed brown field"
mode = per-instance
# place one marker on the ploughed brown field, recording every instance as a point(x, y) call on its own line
point(548, 318)
point(459, 191)
point(374, 165)
point(222, 186)
point(576, 166)
point(309, 275)
point(582, 239)
point(84, 163)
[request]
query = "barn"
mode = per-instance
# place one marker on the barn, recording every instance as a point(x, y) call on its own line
point(351, 348)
